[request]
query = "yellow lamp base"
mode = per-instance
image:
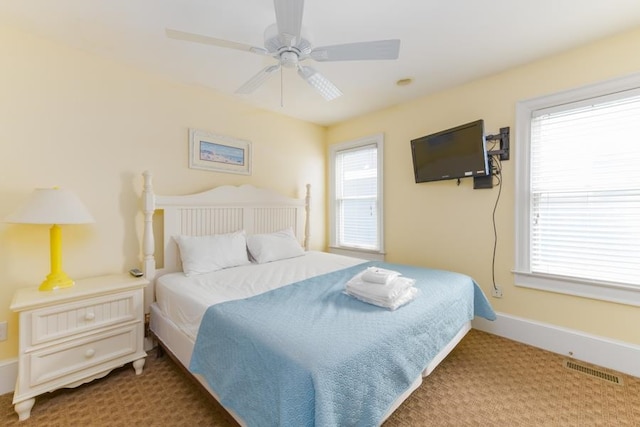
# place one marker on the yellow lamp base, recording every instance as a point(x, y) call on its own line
point(55, 281)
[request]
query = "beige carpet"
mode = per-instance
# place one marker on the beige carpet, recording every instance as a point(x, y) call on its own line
point(485, 381)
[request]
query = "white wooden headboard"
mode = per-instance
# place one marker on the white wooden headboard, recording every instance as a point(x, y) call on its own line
point(223, 209)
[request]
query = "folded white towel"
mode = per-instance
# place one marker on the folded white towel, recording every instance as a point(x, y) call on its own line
point(379, 275)
point(407, 296)
point(380, 292)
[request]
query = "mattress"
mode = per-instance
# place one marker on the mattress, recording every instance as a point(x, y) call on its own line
point(185, 299)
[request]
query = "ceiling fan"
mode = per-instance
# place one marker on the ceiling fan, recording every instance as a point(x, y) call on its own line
point(284, 42)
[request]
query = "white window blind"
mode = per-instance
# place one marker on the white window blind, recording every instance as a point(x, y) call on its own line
point(585, 190)
point(356, 197)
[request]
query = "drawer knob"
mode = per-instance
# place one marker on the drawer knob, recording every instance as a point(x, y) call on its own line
point(89, 353)
point(89, 316)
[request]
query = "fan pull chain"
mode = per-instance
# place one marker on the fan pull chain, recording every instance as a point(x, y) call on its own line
point(281, 89)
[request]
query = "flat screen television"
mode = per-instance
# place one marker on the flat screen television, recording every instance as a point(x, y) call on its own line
point(459, 152)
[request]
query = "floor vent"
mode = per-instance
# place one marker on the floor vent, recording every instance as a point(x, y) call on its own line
point(593, 372)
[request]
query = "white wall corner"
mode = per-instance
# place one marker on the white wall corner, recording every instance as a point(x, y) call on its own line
point(617, 355)
point(8, 375)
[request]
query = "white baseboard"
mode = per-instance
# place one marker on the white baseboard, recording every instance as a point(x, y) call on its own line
point(8, 375)
point(617, 355)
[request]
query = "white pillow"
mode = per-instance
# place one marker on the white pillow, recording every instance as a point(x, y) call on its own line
point(203, 254)
point(274, 246)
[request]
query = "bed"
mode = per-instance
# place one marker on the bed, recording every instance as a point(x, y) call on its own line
point(275, 339)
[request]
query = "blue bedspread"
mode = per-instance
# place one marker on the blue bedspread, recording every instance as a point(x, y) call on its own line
point(309, 355)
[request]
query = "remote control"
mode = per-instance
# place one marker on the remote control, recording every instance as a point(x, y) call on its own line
point(136, 272)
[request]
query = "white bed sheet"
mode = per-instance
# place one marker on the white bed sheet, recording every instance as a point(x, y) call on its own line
point(185, 299)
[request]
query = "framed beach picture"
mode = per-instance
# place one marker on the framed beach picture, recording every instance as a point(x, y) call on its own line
point(219, 153)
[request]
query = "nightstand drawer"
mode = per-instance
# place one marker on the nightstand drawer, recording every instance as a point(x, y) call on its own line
point(60, 361)
point(73, 318)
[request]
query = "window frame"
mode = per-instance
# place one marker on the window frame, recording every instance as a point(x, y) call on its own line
point(607, 291)
point(334, 149)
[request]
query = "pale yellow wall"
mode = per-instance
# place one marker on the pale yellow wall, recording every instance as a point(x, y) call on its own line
point(80, 122)
point(445, 226)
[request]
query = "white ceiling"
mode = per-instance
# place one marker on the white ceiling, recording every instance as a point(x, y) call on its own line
point(443, 42)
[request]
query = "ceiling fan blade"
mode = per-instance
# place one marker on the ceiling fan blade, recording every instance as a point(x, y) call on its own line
point(381, 49)
point(289, 20)
point(198, 38)
point(319, 82)
point(254, 82)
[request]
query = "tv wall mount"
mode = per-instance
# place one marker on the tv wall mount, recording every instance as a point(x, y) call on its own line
point(503, 137)
point(502, 153)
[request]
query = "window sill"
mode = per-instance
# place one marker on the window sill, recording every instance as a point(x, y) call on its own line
point(358, 253)
point(612, 292)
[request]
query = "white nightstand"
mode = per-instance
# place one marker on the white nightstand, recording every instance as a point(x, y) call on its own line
point(74, 335)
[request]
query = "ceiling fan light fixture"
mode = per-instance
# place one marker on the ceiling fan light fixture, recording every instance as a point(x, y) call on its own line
point(289, 59)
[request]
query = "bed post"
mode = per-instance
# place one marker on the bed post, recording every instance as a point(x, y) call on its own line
point(148, 243)
point(307, 202)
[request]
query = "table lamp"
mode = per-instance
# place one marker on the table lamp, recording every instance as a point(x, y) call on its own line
point(53, 206)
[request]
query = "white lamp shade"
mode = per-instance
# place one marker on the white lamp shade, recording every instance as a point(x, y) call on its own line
point(52, 206)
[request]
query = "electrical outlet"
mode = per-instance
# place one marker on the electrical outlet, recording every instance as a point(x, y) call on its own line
point(496, 292)
point(3, 331)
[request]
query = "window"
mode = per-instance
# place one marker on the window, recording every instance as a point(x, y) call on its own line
point(578, 192)
point(356, 195)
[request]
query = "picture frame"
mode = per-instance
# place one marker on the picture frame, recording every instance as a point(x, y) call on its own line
point(219, 153)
